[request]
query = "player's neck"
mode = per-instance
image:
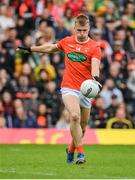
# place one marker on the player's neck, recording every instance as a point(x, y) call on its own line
point(82, 41)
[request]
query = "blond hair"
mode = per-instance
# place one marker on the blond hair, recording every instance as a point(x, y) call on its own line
point(82, 19)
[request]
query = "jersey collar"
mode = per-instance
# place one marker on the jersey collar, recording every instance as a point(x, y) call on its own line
point(82, 42)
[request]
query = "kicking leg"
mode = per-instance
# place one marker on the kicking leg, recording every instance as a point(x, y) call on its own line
point(72, 104)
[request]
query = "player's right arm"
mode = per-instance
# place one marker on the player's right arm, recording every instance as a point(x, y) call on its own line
point(95, 65)
point(46, 48)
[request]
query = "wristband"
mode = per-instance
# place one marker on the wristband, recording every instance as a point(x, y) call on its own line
point(96, 78)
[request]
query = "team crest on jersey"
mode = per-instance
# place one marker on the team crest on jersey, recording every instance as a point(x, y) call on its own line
point(77, 57)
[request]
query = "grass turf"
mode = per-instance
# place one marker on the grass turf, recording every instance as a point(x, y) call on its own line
point(48, 162)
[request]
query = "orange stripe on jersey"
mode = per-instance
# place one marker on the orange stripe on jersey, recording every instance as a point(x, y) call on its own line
point(77, 60)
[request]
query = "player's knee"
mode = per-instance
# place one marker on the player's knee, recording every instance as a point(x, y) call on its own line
point(75, 117)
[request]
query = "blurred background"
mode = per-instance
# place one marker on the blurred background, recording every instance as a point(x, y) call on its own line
point(30, 83)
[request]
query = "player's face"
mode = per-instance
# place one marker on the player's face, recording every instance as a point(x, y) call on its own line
point(82, 32)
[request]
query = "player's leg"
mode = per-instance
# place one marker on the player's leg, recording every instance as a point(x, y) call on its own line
point(85, 112)
point(85, 104)
point(71, 102)
point(85, 115)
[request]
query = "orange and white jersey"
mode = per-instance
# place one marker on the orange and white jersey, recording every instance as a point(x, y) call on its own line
point(78, 60)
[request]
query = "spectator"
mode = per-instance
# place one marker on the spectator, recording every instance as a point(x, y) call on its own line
point(18, 60)
point(100, 23)
point(56, 60)
point(109, 30)
point(9, 46)
point(27, 41)
point(116, 74)
point(60, 73)
point(108, 90)
point(5, 21)
point(47, 16)
point(31, 105)
point(2, 117)
point(132, 57)
point(51, 98)
point(119, 121)
point(98, 114)
point(111, 110)
point(27, 71)
point(22, 119)
point(69, 21)
point(20, 27)
point(111, 12)
point(40, 7)
point(63, 122)
point(49, 36)
point(27, 10)
point(45, 64)
point(43, 79)
point(2, 121)
point(124, 24)
point(8, 108)
point(5, 83)
point(119, 54)
point(58, 10)
point(101, 7)
point(23, 89)
point(18, 103)
point(60, 30)
point(75, 6)
point(41, 28)
point(130, 12)
point(131, 88)
point(3, 60)
point(42, 116)
point(126, 41)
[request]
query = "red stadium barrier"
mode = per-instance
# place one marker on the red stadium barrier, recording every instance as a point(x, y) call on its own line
point(41, 136)
point(55, 136)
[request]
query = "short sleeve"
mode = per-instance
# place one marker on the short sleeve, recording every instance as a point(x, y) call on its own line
point(60, 44)
point(96, 53)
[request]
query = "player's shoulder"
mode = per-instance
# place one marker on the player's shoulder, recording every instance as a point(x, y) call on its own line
point(68, 38)
point(93, 42)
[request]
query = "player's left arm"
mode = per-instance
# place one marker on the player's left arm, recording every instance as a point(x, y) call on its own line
point(95, 65)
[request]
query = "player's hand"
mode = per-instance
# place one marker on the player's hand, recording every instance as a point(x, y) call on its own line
point(96, 78)
point(23, 49)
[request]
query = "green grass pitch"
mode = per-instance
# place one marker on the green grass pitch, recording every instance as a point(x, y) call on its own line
point(48, 162)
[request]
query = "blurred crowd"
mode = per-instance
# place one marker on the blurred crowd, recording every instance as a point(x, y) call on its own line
point(30, 83)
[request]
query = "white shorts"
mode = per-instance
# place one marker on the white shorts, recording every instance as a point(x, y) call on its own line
point(84, 101)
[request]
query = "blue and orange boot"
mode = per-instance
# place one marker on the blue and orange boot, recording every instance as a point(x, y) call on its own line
point(70, 156)
point(80, 159)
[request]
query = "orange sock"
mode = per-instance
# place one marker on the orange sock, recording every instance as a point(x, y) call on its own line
point(80, 149)
point(71, 148)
